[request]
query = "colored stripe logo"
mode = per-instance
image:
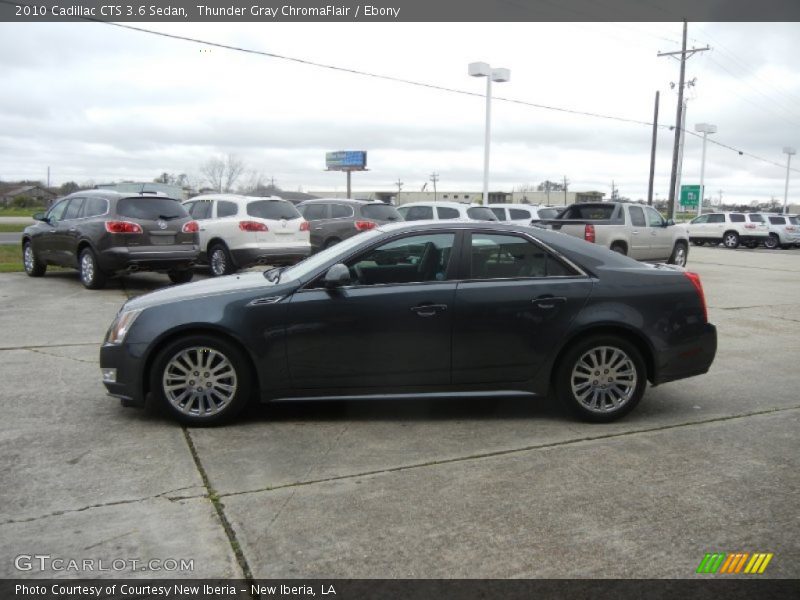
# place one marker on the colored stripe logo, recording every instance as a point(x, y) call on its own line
point(735, 562)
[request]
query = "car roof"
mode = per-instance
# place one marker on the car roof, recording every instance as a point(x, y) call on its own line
point(350, 201)
point(240, 198)
point(445, 203)
point(114, 195)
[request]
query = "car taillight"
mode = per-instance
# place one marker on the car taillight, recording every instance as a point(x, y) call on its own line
point(123, 227)
point(695, 279)
point(790, 228)
point(749, 226)
point(304, 226)
point(588, 233)
point(365, 225)
point(252, 226)
point(190, 227)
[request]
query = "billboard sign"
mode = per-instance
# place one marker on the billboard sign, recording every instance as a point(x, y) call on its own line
point(346, 160)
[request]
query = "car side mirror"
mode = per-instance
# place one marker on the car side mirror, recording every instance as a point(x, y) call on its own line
point(40, 216)
point(337, 276)
point(669, 222)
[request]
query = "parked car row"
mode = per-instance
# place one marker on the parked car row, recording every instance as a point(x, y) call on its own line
point(749, 229)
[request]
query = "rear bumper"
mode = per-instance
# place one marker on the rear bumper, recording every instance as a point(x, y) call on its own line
point(244, 257)
point(148, 258)
point(690, 357)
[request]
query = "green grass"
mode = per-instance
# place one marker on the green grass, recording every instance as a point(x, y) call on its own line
point(11, 227)
point(10, 259)
point(20, 212)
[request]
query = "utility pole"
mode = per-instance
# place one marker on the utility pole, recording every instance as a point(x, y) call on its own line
point(653, 153)
point(399, 185)
point(679, 175)
point(566, 183)
point(613, 191)
point(684, 54)
point(48, 178)
point(434, 179)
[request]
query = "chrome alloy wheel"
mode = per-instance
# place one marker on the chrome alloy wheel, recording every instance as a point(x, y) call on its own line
point(218, 262)
point(680, 255)
point(199, 381)
point(603, 379)
point(87, 268)
point(27, 258)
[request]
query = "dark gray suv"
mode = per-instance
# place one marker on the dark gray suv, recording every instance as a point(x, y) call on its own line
point(103, 233)
point(333, 220)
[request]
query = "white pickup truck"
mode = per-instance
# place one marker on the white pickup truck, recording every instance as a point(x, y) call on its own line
point(633, 229)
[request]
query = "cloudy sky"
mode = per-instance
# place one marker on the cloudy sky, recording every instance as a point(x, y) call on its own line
point(99, 103)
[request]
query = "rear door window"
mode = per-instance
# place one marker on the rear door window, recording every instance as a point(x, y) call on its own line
point(225, 208)
point(381, 212)
point(445, 212)
point(272, 209)
point(737, 218)
point(94, 207)
point(151, 209)
point(314, 212)
point(341, 211)
point(777, 221)
point(756, 218)
point(419, 213)
point(637, 216)
point(519, 213)
point(500, 256)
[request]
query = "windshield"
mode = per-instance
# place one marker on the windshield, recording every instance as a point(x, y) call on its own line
point(313, 262)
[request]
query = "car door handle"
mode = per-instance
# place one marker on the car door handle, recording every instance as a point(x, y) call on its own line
point(73, 229)
point(202, 228)
point(548, 302)
point(634, 233)
point(428, 310)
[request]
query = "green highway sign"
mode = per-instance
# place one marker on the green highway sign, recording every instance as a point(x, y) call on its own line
point(690, 195)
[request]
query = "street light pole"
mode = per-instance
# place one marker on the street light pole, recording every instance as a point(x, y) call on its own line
point(788, 151)
point(705, 129)
point(482, 69)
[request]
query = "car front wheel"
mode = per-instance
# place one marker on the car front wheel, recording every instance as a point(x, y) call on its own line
point(181, 275)
point(201, 380)
point(772, 242)
point(679, 254)
point(731, 240)
point(602, 378)
point(220, 260)
point(33, 266)
point(92, 277)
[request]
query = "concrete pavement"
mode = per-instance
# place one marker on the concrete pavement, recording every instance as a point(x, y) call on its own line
point(407, 489)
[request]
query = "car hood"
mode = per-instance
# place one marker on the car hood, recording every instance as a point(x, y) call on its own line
point(209, 287)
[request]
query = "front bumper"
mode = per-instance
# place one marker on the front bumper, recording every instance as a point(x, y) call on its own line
point(148, 258)
point(245, 257)
point(127, 360)
point(689, 357)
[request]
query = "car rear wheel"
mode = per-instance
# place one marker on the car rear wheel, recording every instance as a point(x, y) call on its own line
point(181, 275)
point(220, 261)
point(331, 242)
point(731, 240)
point(201, 380)
point(602, 378)
point(619, 248)
point(33, 266)
point(92, 277)
point(680, 254)
point(772, 242)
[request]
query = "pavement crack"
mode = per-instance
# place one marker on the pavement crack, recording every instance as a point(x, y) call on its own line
point(507, 452)
point(43, 353)
point(58, 513)
point(48, 346)
point(220, 508)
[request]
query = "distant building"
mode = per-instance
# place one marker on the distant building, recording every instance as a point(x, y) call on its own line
point(133, 187)
point(38, 195)
point(469, 197)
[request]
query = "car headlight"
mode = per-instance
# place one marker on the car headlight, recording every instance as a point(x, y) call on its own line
point(121, 325)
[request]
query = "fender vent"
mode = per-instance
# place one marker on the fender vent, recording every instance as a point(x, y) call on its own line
point(267, 300)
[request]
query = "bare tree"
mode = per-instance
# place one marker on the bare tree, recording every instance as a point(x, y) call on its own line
point(234, 167)
point(213, 172)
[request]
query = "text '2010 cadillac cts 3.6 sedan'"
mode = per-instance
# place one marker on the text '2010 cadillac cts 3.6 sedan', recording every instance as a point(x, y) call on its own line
point(417, 309)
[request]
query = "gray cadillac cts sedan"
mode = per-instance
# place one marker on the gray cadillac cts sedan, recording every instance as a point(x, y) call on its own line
point(417, 310)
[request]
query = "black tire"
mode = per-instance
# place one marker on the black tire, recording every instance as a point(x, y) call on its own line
point(33, 266)
point(181, 275)
point(629, 395)
point(92, 277)
point(772, 242)
point(619, 248)
point(219, 260)
point(698, 242)
point(187, 410)
point(751, 245)
point(330, 242)
point(730, 240)
point(680, 254)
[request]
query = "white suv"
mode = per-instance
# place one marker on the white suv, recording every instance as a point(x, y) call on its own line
point(514, 213)
point(730, 228)
point(784, 231)
point(240, 231)
point(442, 211)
